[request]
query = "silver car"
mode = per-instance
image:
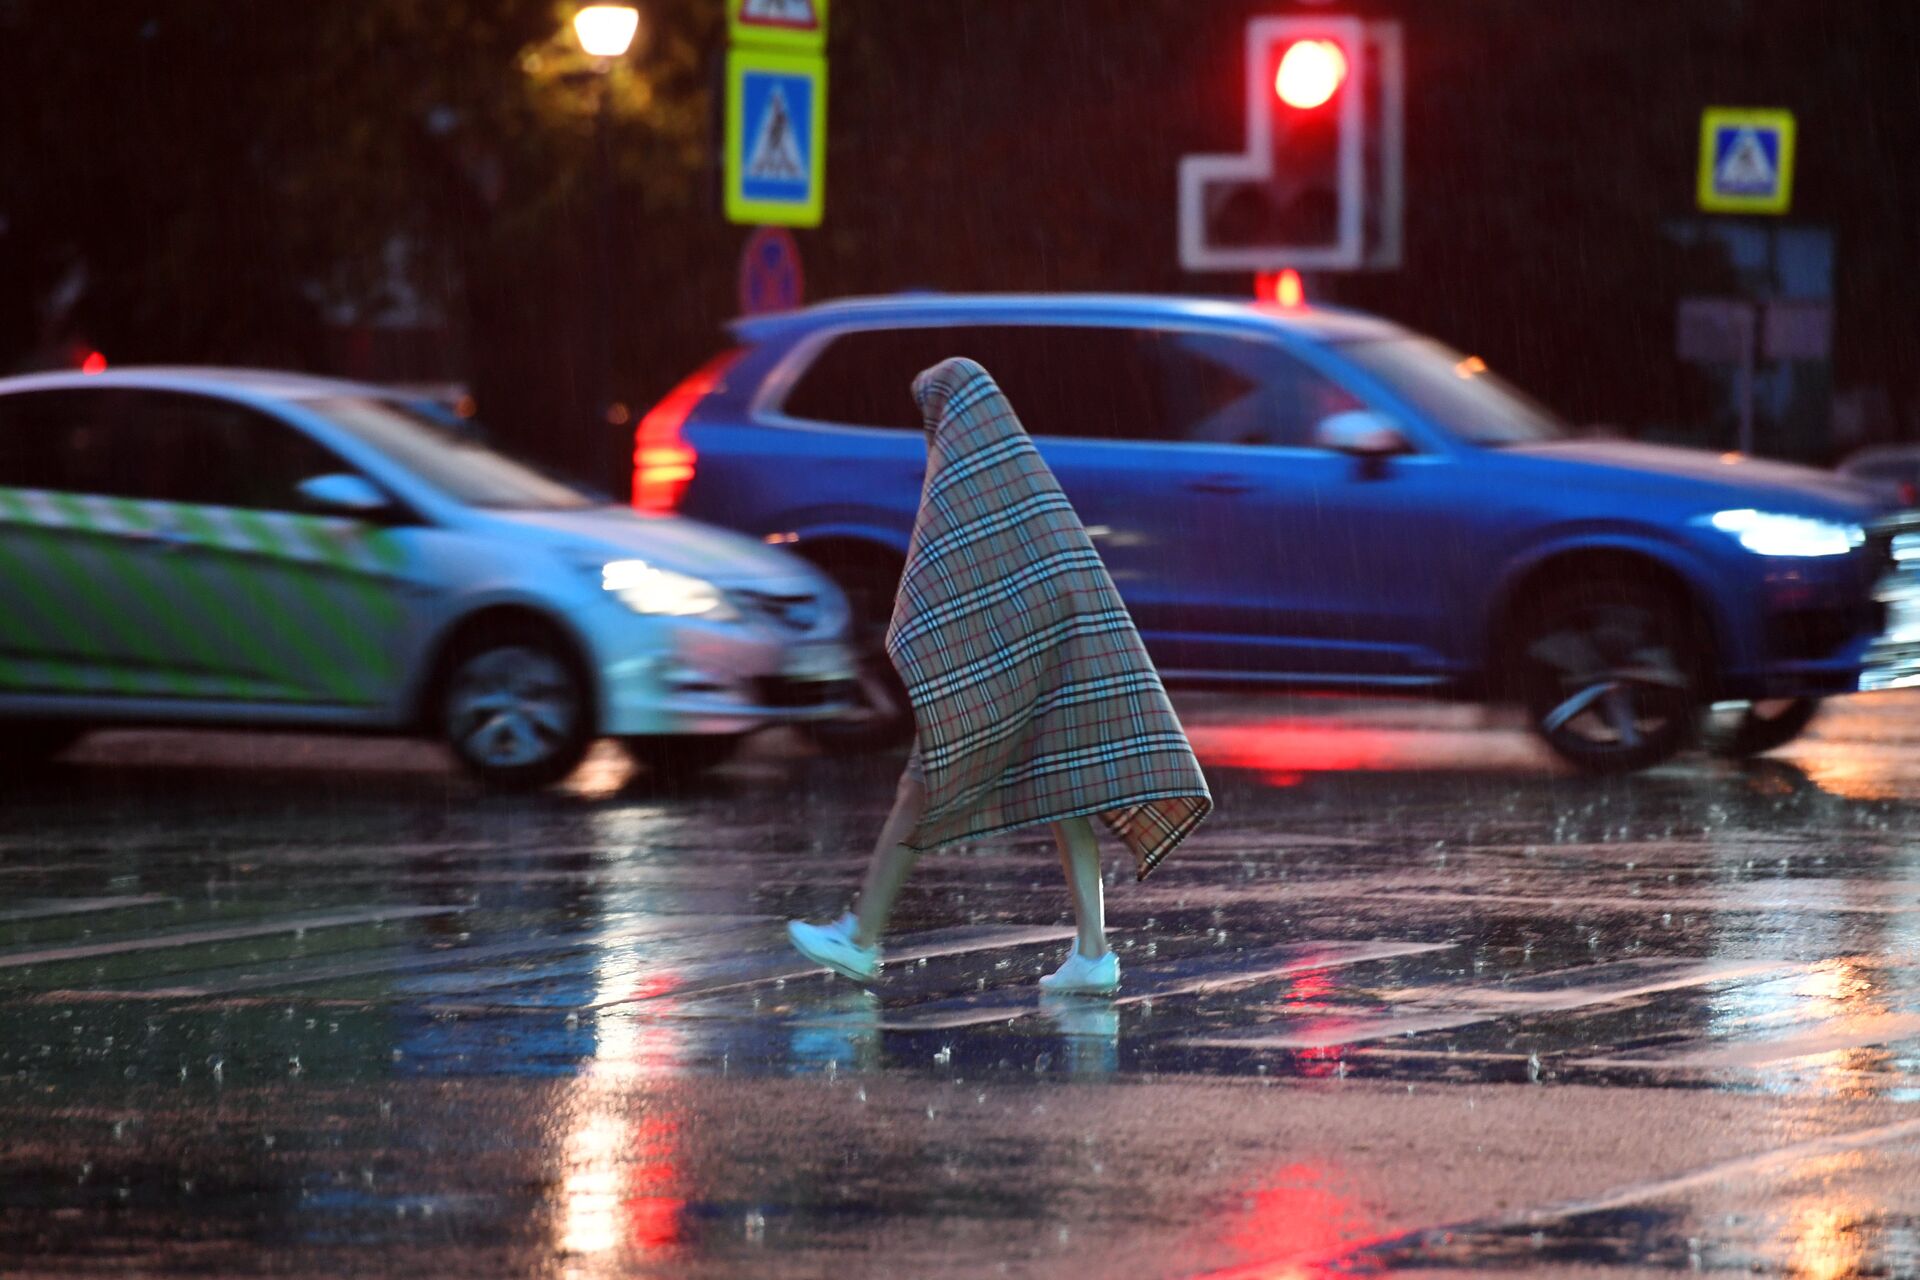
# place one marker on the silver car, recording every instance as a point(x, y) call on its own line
point(198, 546)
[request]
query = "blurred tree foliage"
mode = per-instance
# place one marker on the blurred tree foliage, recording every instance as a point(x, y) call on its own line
point(212, 180)
point(216, 179)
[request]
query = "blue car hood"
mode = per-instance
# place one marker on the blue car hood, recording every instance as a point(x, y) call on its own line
point(1726, 479)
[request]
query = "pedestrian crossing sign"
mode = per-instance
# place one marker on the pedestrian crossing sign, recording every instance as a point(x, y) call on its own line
point(775, 165)
point(1746, 160)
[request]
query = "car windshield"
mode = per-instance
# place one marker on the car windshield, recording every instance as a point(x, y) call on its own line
point(1458, 392)
point(442, 457)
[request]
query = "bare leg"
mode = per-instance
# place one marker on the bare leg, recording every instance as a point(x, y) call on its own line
point(891, 862)
point(1080, 859)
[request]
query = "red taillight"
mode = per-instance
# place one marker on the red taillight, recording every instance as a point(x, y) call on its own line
point(662, 459)
point(1283, 288)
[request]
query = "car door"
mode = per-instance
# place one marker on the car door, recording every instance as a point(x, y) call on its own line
point(1089, 396)
point(257, 591)
point(1304, 561)
point(83, 613)
point(1086, 393)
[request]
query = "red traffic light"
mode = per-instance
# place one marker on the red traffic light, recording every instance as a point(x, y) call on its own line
point(1311, 72)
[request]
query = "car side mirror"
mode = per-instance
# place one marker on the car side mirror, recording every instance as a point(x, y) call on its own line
point(1363, 434)
point(344, 494)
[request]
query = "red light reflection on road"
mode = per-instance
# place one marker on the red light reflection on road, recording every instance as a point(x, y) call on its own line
point(1283, 752)
point(1293, 1222)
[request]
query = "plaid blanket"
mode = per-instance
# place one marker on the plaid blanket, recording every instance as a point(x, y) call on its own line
point(1033, 695)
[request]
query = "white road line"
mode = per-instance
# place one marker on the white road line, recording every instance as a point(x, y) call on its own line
point(1538, 999)
point(78, 906)
point(195, 937)
point(1019, 1002)
point(666, 927)
point(1836, 1034)
point(1726, 1171)
point(1761, 1163)
point(1483, 1005)
point(1329, 1033)
point(792, 965)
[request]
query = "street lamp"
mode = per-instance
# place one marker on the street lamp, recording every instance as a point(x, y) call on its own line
point(605, 32)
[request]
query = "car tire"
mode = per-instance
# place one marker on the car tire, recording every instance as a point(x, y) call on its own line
point(25, 744)
point(882, 714)
point(679, 758)
point(514, 706)
point(1754, 728)
point(1610, 672)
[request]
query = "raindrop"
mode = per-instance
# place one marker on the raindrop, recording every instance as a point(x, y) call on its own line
point(861, 1094)
point(944, 1054)
point(756, 1225)
point(1533, 1067)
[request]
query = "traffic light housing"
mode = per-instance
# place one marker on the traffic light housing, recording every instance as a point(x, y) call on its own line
point(1318, 184)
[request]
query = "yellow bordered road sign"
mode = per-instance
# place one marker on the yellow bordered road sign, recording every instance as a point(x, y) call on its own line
point(776, 146)
point(1746, 160)
point(778, 24)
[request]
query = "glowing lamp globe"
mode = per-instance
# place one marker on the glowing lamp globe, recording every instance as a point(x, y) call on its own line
point(606, 30)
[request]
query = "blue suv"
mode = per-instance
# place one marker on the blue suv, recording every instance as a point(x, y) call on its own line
point(1308, 498)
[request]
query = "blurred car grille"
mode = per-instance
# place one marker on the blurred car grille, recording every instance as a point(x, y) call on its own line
point(786, 691)
point(1894, 660)
point(1806, 634)
point(796, 613)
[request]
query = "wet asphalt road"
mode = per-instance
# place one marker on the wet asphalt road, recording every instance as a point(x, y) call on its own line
point(1413, 1001)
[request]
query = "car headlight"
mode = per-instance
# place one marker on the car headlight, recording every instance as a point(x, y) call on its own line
point(646, 588)
point(1772, 533)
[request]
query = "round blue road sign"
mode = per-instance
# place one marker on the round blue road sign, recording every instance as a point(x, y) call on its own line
point(770, 276)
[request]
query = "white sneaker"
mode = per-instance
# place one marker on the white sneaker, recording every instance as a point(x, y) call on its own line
point(832, 945)
point(1081, 976)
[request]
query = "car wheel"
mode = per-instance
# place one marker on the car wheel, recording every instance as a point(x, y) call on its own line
point(514, 707)
point(1610, 672)
point(882, 715)
point(24, 743)
point(1737, 730)
point(678, 758)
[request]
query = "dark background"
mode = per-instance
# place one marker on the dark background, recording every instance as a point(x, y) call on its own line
point(402, 189)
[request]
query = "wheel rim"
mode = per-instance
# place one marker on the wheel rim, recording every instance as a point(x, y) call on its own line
point(1615, 683)
point(511, 707)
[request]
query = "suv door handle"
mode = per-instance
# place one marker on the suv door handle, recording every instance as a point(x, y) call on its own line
point(1220, 484)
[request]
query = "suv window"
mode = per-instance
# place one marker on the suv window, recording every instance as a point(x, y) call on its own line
point(1232, 390)
point(1086, 381)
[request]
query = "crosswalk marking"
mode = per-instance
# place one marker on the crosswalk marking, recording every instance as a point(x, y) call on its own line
point(1831, 1035)
point(195, 937)
point(1162, 981)
point(453, 957)
point(1485, 1005)
point(50, 907)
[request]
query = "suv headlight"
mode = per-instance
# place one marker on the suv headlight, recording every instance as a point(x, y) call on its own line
point(1772, 533)
point(646, 588)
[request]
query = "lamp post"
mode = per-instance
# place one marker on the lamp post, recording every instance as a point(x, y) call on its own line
point(605, 32)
